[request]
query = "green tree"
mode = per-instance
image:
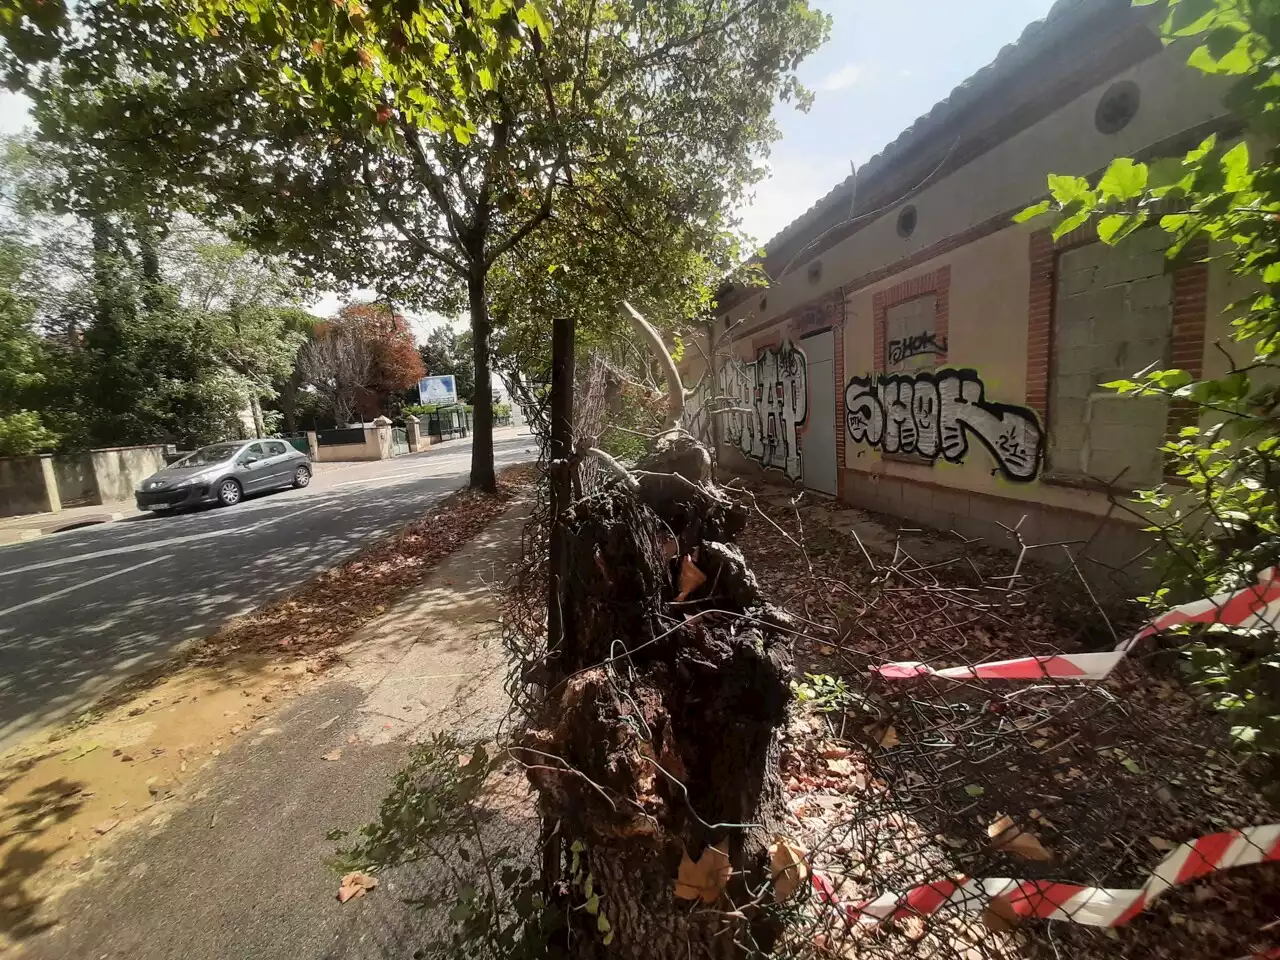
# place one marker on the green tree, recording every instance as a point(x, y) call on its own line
point(1219, 523)
point(411, 147)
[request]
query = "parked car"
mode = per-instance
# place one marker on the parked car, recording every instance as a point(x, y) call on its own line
point(224, 473)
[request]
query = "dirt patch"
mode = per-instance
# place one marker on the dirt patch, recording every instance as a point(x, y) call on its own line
point(126, 763)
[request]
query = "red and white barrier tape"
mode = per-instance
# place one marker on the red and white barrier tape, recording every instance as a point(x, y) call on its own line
point(1050, 900)
point(1250, 607)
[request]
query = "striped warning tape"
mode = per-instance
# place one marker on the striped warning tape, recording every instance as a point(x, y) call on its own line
point(1051, 900)
point(1251, 607)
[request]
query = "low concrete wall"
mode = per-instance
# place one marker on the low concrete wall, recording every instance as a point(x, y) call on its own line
point(27, 486)
point(119, 470)
point(349, 451)
point(77, 485)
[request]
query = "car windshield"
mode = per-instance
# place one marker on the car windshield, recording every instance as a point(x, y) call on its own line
point(214, 453)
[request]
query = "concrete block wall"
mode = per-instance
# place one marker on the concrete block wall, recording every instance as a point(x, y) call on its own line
point(27, 485)
point(1113, 316)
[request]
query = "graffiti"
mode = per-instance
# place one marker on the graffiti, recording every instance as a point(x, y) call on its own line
point(913, 346)
point(763, 402)
point(932, 414)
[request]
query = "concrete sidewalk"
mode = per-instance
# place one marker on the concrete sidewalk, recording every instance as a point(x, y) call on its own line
point(236, 867)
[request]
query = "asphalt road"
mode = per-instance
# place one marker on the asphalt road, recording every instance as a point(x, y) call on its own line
point(81, 610)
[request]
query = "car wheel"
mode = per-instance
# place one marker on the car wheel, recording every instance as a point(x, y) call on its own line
point(229, 493)
point(302, 476)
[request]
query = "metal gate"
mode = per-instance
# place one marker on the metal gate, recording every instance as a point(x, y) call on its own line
point(818, 441)
point(399, 441)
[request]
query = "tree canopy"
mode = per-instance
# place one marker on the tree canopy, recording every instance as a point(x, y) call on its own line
point(410, 147)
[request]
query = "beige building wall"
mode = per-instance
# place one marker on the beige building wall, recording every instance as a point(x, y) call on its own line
point(992, 282)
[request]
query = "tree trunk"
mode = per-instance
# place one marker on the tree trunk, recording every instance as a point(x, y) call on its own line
point(255, 407)
point(662, 741)
point(482, 472)
point(289, 402)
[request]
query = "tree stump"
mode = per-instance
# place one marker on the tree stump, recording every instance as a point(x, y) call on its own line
point(659, 746)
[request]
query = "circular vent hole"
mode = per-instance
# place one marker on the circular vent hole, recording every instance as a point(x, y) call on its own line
point(1117, 107)
point(907, 221)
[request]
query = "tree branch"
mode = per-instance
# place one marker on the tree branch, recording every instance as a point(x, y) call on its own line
point(399, 223)
point(675, 389)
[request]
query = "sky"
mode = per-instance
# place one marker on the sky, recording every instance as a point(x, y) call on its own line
point(884, 65)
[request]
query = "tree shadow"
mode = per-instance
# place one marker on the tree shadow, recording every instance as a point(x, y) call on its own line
point(23, 823)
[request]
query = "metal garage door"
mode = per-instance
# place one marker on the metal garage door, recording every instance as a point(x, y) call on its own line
point(818, 443)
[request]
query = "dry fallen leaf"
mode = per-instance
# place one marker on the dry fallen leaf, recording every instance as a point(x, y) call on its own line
point(706, 879)
point(1009, 837)
point(999, 916)
point(691, 578)
point(842, 768)
point(354, 885)
point(787, 863)
point(831, 751)
point(1161, 844)
point(889, 738)
point(332, 755)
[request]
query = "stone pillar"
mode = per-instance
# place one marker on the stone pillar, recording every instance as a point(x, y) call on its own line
point(414, 429)
point(313, 445)
point(382, 437)
point(50, 483)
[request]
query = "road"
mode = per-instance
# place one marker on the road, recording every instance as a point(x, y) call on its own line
point(81, 610)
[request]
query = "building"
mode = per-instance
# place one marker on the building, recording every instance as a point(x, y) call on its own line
point(917, 353)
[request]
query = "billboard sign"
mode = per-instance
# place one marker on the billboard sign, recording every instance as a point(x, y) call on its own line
point(441, 391)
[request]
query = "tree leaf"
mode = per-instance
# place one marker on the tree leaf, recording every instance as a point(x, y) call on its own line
point(1117, 226)
point(354, 885)
point(1066, 188)
point(889, 738)
point(1010, 838)
point(1035, 210)
point(706, 879)
point(1125, 179)
point(1235, 166)
point(974, 790)
point(788, 866)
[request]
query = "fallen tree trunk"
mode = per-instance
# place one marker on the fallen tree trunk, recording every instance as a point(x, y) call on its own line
point(656, 752)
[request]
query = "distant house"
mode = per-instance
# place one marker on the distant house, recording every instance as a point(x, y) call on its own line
point(919, 354)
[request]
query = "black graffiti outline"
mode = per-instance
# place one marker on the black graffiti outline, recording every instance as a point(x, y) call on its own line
point(867, 420)
point(790, 359)
point(914, 345)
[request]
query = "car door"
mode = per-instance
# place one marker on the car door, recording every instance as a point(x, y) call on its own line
point(279, 455)
point(253, 467)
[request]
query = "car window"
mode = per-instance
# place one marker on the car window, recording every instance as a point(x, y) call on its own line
point(275, 448)
point(214, 453)
point(253, 450)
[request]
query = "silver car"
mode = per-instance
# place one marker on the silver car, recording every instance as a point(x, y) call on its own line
point(224, 473)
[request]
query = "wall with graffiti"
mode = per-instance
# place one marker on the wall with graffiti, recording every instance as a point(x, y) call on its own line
point(932, 414)
point(765, 402)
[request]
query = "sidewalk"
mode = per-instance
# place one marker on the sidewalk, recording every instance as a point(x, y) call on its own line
point(235, 867)
point(32, 525)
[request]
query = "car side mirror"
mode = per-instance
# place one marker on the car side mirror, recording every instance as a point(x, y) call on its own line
point(249, 459)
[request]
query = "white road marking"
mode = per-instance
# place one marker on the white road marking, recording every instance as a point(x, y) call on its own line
point(79, 586)
point(156, 544)
point(382, 476)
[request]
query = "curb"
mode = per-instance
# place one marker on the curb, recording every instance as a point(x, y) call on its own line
point(35, 533)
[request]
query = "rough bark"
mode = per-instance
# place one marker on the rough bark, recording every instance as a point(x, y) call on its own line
point(662, 738)
point(482, 472)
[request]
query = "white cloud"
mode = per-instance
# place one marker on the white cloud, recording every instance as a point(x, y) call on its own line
point(843, 78)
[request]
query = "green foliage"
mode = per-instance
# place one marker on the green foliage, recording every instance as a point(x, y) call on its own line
point(824, 693)
point(1220, 522)
point(487, 894)
point(448, 352)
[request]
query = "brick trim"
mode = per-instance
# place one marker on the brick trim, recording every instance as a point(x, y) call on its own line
point(1043, 253)
point(936, 283)
point(1186, 336)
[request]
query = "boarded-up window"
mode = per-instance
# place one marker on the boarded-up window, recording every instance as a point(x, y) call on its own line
point(1113, 316)
point(910, 335)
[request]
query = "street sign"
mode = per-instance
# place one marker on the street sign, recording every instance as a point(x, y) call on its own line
point(438, 390)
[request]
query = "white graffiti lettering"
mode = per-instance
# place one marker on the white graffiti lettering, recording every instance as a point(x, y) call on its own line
point(932, 414)
point(761, 406)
